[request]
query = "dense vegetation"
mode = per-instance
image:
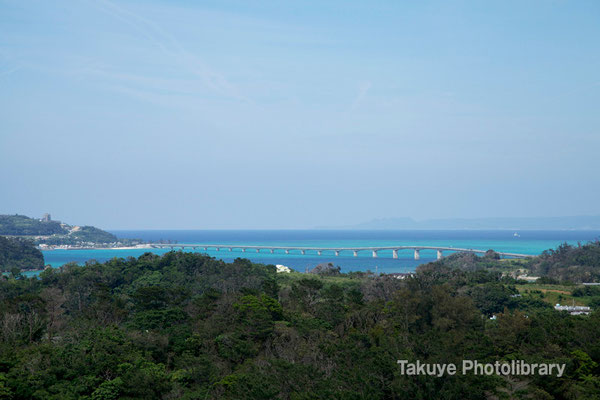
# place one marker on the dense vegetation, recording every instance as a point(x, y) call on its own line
point(471, 262)
point(20, 225)
point(17, 253)
point(188, 326)
point(569, 263)
point(566, 263)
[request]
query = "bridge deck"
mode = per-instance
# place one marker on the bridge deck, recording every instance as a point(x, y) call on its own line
point(335, 249)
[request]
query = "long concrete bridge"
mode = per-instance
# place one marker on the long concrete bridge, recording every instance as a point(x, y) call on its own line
point(335, 250)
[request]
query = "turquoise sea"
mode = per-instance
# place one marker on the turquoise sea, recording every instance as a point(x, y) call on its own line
point(525, 242)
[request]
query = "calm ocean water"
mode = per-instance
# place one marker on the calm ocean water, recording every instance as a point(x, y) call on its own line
point(528, 242)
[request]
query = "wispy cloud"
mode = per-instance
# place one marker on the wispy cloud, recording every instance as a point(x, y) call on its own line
point(173, 49)
point(8, 66)
point(363, 88)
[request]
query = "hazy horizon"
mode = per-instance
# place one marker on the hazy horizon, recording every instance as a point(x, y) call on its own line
point(561, 223)
point(236, 115)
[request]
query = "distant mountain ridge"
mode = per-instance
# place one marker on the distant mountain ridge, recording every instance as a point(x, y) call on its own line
point(516, 223)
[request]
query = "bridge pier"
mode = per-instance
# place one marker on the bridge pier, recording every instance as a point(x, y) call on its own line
point(303, 252)
point(374, 253)
point(319, 252)
point(243, 250)
point(272, 251)
point(218, 249)
point(205, 249)
point(258, 250)
point(337, 253)
point(417, 254)
point(231, 249)
point(355, 253)
point(287, 251)
point(395, 253)
point(439, 255)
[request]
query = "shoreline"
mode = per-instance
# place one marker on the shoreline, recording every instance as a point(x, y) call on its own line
point(67, 247)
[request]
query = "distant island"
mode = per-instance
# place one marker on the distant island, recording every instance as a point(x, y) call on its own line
point(49, 234)
point(584, 222)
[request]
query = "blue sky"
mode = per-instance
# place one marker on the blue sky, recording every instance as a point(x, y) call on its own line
point(270, 114)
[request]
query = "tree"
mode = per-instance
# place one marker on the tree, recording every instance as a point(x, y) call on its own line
point(54, 300)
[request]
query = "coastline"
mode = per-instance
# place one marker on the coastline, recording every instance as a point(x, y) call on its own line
point(69, 247)
point(139, 246)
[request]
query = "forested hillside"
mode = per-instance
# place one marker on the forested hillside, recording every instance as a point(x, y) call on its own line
point(20, 225)
point(20, 254)
point(187, 326)
point(566, 263)
point(56, 233)
point(570, 263)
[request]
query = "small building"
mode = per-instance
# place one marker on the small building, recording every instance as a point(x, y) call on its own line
point(527, 278)
point(573, 310)
point(283, 269)
point(46, 218)
point(400, 275)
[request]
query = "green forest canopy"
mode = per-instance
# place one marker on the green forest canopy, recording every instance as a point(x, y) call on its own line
point(188, 326)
